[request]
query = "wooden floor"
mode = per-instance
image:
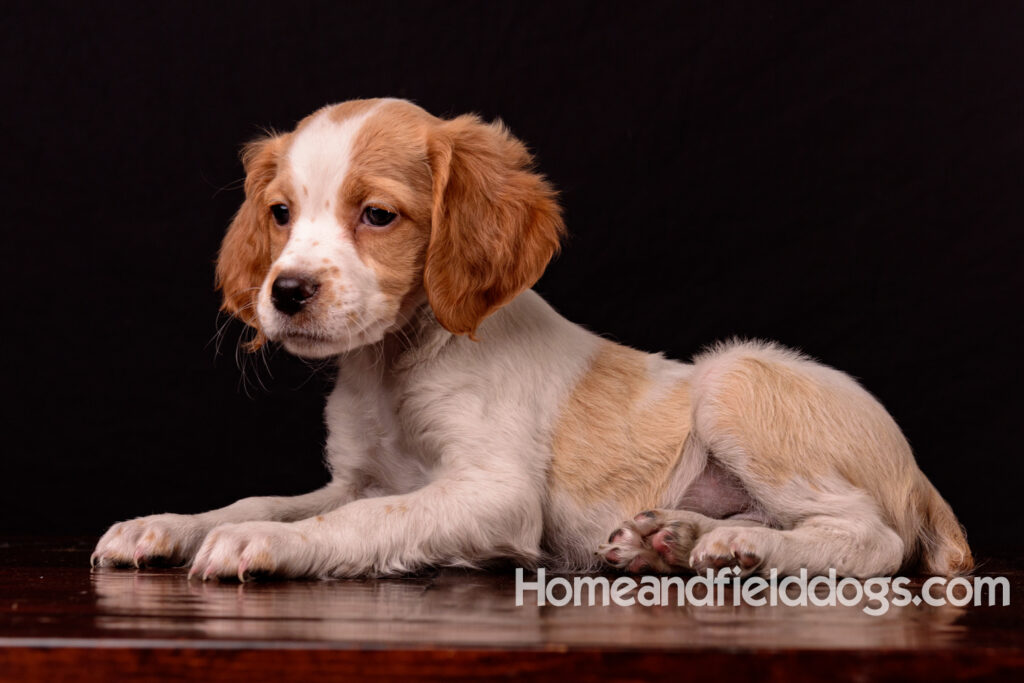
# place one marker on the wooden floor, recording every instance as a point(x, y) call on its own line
point(59, 620)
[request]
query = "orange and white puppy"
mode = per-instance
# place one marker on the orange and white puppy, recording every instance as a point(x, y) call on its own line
point(471, 422)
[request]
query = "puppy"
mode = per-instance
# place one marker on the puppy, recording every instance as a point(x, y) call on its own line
point(471, 422)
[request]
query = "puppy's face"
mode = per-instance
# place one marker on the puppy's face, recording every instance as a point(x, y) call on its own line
point(372, 208)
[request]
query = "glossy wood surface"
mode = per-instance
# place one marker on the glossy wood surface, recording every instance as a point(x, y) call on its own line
point(61, 620)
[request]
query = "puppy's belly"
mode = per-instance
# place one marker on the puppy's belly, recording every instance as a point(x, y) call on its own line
point(719, 494)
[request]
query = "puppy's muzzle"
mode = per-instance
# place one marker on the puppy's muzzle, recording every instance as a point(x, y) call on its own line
point(291, 292)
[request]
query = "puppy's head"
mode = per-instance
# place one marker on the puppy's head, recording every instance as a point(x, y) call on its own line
point(370, 208)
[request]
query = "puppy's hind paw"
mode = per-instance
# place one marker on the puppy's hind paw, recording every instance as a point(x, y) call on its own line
point(626, 550)
point(655, 540)
point(727, 547)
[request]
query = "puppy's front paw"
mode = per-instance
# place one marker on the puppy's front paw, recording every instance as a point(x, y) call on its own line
point(255, 549)
point(154, 540)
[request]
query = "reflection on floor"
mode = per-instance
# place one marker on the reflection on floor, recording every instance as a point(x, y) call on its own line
point(56, 612)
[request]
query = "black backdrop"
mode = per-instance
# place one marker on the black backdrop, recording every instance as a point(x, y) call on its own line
point(845, 179)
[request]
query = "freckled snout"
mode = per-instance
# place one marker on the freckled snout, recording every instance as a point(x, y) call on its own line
point(291, 292)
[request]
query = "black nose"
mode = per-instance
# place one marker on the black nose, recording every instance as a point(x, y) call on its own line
point(291, 292)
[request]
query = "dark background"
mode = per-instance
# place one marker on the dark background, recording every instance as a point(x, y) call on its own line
point(845, 179)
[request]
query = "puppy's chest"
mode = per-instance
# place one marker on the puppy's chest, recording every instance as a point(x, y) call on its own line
point(371, 435)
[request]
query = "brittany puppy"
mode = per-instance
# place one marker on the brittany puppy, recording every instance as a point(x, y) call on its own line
point(471, 422)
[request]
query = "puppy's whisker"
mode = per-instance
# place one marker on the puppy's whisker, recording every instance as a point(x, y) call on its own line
point(233, 185)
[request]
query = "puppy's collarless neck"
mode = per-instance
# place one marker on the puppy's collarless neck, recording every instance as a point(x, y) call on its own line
point(416, 342)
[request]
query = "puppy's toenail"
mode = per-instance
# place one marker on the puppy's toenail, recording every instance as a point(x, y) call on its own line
point(646, 514)
point(615, 534)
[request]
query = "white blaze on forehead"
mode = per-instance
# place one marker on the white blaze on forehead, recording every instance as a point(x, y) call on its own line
point(320, 158)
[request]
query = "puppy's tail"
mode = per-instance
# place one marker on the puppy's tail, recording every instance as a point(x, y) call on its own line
point(944, 549)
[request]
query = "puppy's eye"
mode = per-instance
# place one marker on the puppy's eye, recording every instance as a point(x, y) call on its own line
point(377, 217)
point(281, 214)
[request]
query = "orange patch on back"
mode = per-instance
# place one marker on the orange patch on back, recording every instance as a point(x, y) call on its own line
point(619, 437)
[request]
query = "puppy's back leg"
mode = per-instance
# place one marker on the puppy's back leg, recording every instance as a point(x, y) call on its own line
point(843, 530)
point(854, 547)
point(824, 461)
point(827, 472)
point(674, 540)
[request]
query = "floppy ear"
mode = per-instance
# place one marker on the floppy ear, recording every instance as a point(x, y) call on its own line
point(495, 223)
point(245, 253)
